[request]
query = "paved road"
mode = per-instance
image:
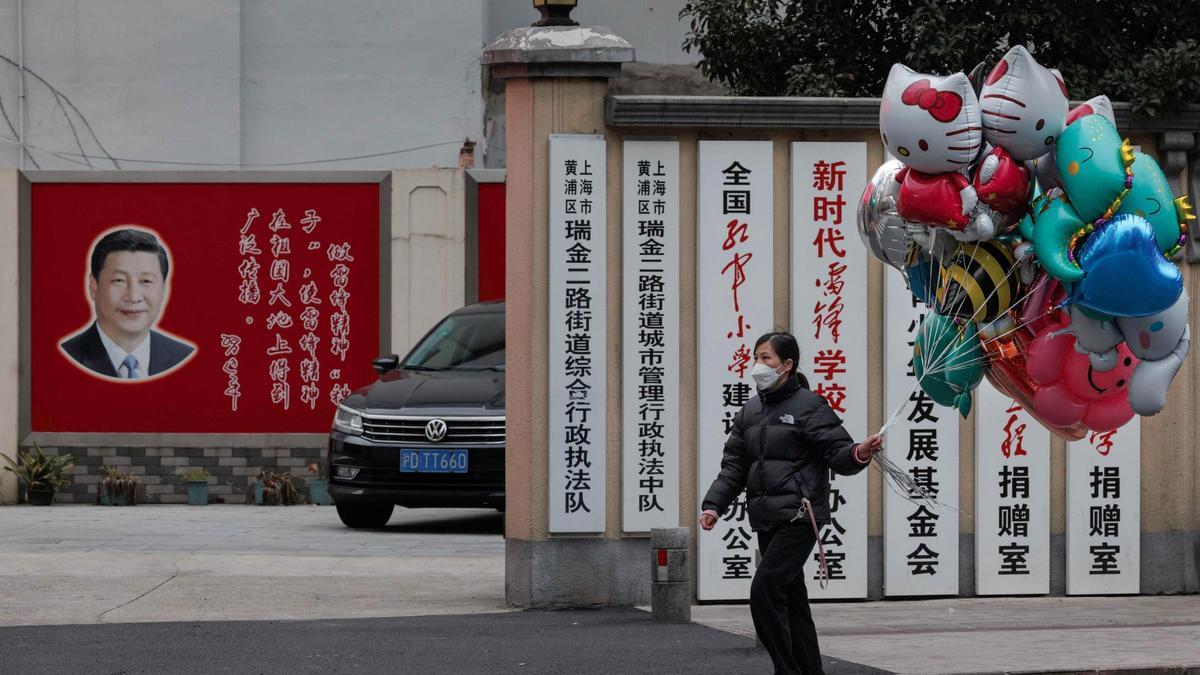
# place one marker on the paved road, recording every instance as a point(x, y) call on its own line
point(89, 564)
point(991, 635)
point(575, 641)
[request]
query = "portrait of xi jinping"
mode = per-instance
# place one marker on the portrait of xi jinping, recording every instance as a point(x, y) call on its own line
point(127, 285)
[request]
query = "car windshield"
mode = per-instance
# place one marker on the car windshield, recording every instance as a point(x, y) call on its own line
point(462, 342)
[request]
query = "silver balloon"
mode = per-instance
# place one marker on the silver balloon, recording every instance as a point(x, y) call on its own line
point(1162, 342)
point(885, 234)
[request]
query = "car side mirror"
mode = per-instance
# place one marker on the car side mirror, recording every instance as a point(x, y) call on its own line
point(386, 364)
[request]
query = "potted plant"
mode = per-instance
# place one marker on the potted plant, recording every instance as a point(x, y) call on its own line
point(118, 488)
point(41, 474)
point(318, 486)
point(197, 486)
point(276, 488)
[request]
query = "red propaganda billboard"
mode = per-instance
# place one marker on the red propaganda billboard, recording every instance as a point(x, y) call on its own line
point(201, 307)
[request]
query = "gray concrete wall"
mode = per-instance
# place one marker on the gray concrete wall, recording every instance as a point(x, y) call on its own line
point(232, 82)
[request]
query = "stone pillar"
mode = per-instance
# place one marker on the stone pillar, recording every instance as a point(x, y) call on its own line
point(555, 78)
point(10, 327)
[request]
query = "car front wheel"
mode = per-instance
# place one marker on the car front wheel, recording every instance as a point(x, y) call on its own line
point(364, 515)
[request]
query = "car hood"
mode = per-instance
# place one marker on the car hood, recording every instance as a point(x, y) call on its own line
point(478, 391)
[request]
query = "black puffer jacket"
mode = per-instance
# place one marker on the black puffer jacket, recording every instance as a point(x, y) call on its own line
point(783, 444)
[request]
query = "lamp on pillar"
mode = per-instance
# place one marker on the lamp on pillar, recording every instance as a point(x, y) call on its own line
point(555, 12)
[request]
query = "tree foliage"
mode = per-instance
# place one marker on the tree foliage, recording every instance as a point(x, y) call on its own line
point(1132, 51)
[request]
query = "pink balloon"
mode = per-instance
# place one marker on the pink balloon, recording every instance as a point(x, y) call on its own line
point(1071, 390)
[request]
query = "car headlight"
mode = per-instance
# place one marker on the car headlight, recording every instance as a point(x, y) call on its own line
point(347, 421)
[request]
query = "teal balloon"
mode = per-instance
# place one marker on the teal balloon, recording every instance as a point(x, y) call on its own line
point(1052, 223)
point(1150, 197)
point(948, 360)
point(1092, 158)
point(1125, 275)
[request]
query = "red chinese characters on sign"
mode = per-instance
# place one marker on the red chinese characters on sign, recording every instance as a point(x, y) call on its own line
point(829, 361)
point(1013, 516)
point(829, 358)
point(1013, 444)
point(1102, 441)
point(263, 280)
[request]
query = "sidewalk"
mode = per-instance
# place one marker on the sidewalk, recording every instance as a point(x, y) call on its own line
point(978, 635)
point(78, 564)
point(289, 589)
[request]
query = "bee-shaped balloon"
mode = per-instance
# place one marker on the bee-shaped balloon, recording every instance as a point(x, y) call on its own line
point(980, 283)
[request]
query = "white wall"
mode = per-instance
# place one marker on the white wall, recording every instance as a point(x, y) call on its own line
point(253, 82)
point(262, 82)
point(329, 79)
point(428, 251)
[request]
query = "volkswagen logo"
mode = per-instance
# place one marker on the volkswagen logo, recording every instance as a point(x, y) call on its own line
point(435, 431)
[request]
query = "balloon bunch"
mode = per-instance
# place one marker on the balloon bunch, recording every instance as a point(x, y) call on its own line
point(1041, 240)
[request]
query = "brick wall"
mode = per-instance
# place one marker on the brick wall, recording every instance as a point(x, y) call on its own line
point(232, 469)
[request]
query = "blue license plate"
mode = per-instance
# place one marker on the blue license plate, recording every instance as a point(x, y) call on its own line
point(433, 461)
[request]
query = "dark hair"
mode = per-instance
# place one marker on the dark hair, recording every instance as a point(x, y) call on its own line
point(127, 240)
point(785, 347)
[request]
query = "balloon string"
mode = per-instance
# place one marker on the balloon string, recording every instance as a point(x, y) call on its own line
point(947, 352)
point(944, 328)
point(903, 485)
point(985, 359)
point(903, 404)
point(897, 479)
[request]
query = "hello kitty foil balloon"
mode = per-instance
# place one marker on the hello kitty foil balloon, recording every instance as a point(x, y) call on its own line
point(1024, 105)
point(932, 125)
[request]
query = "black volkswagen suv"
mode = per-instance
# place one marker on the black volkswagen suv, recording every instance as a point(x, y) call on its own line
point(430, 431)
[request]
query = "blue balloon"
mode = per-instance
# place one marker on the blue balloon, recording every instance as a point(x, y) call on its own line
point(923, 279)
point(1125, 273)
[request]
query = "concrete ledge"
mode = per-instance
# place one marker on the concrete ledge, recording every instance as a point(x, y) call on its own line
point(577, 572)
point(558, 44)
point(746, 112)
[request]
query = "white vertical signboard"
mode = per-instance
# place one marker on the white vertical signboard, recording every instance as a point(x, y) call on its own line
point(829, 319)
point(577, 333)
point(1104, 512)
point(735, 296)
point(920, 542)
point(1012, 497)
point(650, 339)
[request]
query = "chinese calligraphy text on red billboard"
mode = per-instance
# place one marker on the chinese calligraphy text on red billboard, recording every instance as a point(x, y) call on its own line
point(204, 307)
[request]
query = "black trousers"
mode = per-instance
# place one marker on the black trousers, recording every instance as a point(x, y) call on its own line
point(779, 599)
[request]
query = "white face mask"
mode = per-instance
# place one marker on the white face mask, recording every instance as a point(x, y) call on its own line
point(764, 376)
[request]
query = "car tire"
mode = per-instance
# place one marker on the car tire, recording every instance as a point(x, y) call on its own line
point(362, 516)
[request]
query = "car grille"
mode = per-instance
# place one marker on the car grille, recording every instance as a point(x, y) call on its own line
point(469, 431)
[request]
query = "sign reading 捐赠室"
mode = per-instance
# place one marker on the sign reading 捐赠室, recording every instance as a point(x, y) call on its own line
point(650, 326)
point(920, 540)
point(829, 319)
point(576, 358)
point(735, 302)
point(201, 307)
point(1012, 497)
point(1104, 511)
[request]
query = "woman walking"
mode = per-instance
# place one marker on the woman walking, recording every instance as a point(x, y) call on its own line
point(783, 444)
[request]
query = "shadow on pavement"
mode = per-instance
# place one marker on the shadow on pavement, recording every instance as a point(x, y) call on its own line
point(568, 641)
point(474, 523)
